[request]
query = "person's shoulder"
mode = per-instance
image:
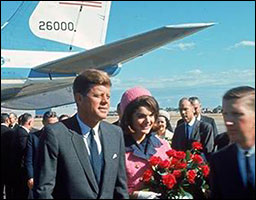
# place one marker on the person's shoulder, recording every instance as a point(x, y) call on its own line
point(221, 136)
point(21, 131)
point(56, 128)
point(164, 142)
point(180, 126)
point(36, 133)
point(110, 126)
point(205, 125)
point(225, 151)
point(208, 118)
point(6, 130)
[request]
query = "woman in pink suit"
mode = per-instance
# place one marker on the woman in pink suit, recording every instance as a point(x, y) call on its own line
point(139, 113)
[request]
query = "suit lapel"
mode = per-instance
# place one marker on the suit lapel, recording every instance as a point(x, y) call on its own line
point(82, 154)
point(107, 147)
point(195, 130)
point(233, 161)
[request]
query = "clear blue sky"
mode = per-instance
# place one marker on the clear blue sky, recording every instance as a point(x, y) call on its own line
point(205, 64)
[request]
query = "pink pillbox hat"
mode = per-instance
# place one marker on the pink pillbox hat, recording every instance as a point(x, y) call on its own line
point(132, 94)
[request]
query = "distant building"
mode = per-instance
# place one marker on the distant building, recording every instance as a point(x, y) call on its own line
point(218, 109)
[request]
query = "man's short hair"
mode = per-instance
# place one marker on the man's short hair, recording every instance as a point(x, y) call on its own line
point(193, 99)
point(182, 100)
point(241, 92)
point(23, 119)
point(4, 117)
point(14, 114)
point(49, 114)
point(87, 79)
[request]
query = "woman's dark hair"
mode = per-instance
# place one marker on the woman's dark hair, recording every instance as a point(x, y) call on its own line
point(145, 101)
point(168, 123)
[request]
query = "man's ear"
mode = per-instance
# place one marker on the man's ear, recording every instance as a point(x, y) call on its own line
point(78, 98)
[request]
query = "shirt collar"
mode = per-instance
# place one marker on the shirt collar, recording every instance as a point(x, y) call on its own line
point(251, 151)
point(191, 123)
point(86, 129)
point(4, 124)
point(145, 149)
point(199, 117)
point(26, 128)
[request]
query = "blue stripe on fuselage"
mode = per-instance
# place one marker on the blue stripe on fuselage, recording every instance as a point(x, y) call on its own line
point(23, 73)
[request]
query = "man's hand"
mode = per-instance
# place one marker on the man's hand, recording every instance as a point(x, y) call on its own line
point(30, 183)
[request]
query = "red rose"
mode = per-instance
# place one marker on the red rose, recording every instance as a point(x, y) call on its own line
point(174, 161)
point(169, 180)
point(197, 159)
point(180, 155)
point(176, 173)
point(165, 164)
point(154, 160)
point(191, 174)
point(197, 145)
point(206, 170)
point(171, 153)
point(147, 175)
point(181, 165)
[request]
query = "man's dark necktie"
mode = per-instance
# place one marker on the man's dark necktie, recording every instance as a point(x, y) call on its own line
point(94, 157)
point(188, 131)
point(249, 174)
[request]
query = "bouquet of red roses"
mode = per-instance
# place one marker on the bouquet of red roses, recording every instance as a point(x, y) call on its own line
point(183, 175)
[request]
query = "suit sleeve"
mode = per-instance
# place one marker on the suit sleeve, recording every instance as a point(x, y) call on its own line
point(45, 172)
point(175, 139)
point(22, 143)
point(121, 191)
point(29, 157)
point(214, 183)
point(215, 130)
point(207, 138)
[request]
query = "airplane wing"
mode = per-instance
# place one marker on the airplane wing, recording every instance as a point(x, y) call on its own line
point(39, 95)
point(121, 51)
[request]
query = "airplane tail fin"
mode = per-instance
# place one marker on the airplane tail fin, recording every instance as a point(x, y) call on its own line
point(57, 26)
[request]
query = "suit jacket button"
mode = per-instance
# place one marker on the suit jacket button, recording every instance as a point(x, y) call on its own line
point(137, 166)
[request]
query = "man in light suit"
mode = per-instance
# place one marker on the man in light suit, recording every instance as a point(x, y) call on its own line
point(192, 130)
point(233, 167)
point(68, 150)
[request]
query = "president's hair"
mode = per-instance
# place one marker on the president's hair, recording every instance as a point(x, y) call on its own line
point(89, 78)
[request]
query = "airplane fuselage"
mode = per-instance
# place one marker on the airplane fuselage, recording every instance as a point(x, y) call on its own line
point(17, 71)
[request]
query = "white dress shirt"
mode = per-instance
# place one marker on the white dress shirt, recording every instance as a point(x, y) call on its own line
point(86, 130)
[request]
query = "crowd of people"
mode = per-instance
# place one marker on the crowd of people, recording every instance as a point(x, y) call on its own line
point(83, 156)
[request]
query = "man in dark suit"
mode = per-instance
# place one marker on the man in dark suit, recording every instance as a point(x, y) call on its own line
point(233, 167)
point(192, 130)
point(6, 135)
point(83, 157)
point(18, 146)
point(13, 121)
point(31, 157)
point(198, 114)
point(221, 140)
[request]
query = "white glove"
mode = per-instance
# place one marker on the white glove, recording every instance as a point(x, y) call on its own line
point(148, 195)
